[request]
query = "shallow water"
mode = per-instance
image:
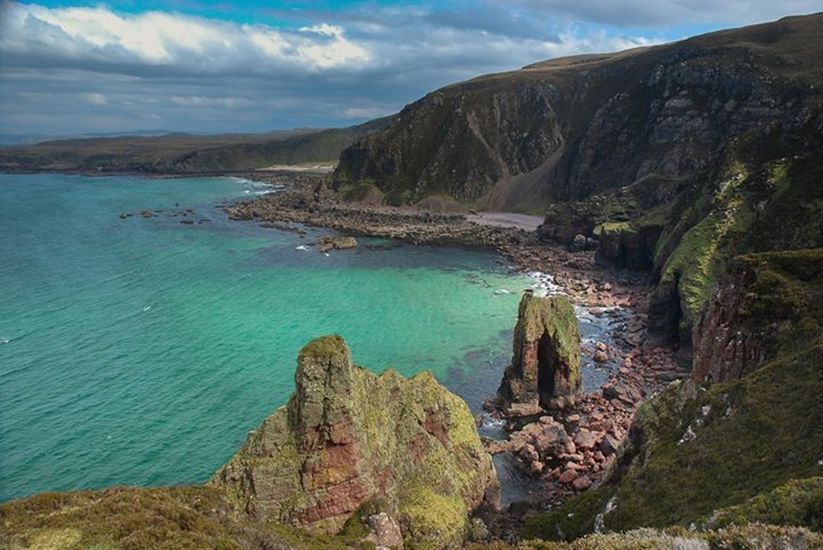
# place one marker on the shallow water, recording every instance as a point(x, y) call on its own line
point(142, 350)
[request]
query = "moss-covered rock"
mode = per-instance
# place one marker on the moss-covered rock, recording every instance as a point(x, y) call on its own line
point(349, 439)
point(546, 361)
point(768, 302)
point(693, 450)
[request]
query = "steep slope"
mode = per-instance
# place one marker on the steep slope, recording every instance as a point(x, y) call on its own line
point(572, 127)
point(676, 157)
point(747, 448)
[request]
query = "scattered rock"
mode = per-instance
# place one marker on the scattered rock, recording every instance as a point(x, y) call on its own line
point(585, 440)
point(609, 445)
point(567, 476)
point(581, 483)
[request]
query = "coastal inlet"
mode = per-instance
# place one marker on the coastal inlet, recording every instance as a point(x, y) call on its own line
point(141, 350)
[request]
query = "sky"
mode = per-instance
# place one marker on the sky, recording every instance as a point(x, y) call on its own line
point(210, 66)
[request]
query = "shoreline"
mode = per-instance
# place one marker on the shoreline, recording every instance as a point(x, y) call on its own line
point(599, 420)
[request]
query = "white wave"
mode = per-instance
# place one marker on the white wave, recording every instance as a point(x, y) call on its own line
point(146, 308)
point(301, 247)
point(4, 340)
point(543, 284)
point(500, 291)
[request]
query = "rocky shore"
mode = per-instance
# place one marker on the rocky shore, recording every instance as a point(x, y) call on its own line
point(565, 449)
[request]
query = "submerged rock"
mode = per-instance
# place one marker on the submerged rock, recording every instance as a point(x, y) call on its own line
point(351, 443)
point(332, 242)
point(545, 366)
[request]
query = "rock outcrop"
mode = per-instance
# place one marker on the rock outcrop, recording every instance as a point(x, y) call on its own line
point(681, 155)
point(545, 368)
point(765, 302)
point(349, 442)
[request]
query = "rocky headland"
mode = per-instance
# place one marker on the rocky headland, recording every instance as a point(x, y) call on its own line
point(680, 182)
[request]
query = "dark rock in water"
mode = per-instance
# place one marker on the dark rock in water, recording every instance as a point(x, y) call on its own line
point(546, 362)
point(350, 442)
point(187, 222)
point(332, 242)
point(147, 214)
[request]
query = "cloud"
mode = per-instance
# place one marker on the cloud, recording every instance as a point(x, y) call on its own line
point(98, 35)
point(96, 99)
point(90, 69)
point(366, 112)
point(670, 13)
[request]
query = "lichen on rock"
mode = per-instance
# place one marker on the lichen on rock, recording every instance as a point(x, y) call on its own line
point(545, 368)
point(349, 441)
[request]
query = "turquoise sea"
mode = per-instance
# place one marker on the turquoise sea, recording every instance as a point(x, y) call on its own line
point(142, 350)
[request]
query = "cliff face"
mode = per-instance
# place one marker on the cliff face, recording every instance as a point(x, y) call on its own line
point(545, 369)
point(675, 158)
point(573, 127)
point(746, 448)
point(350, 441)
point(767, 304)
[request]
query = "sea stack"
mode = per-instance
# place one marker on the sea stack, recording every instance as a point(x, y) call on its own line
point(545, 369)
point(401, 452)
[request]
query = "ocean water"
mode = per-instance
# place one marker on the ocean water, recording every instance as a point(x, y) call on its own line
point(142, 350)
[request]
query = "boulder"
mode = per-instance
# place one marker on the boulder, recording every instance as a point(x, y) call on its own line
point(585, 440)
point(622, 392)
point(349, 441)
point(552, 441)
point(609, 445)
point(578, 243)
point(546, 362)
point(568, 476)
point(581, 483)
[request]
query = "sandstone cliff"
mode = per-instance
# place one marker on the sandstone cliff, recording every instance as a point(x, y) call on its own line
point(350, 441)
point(545, 368)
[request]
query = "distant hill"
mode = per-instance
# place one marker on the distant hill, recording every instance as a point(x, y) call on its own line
point(181, 153)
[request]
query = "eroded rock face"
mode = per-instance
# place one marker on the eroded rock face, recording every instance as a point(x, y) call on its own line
point(545, 366)
point(349, 440)
point(724, 349)
point(766, 303)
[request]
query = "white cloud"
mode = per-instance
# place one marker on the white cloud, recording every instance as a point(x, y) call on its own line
point(204, 101)
point(366, 112)
point(167, 39)
point(96, 99)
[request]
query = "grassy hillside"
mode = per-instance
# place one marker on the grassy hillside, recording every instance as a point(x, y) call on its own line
point(185, 153)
